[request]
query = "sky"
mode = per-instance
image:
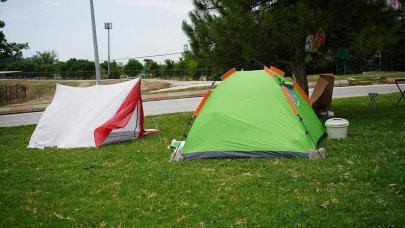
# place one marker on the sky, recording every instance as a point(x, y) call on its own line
point(139, 27)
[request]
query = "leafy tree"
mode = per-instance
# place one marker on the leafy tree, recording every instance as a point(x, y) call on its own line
point(395, 57)
point(25, 65)
point(224, 33)
point(115, 69)
point(133, 67)
point(60, 66)
point(193, 66)
point(152, 67)
point(9, 52)
point(169, 64)
point(74, 64)
point(78, 68)
point(188, 66)
point(168, 67)
point(180, 68)
point(45, 57)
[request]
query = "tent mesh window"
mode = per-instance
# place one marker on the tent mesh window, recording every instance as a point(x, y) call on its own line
point(292, 96)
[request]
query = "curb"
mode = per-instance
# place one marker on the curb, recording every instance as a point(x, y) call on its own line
point(145, 98)
point(170, 96)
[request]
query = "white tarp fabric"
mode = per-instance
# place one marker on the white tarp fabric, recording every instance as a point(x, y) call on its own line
point(75, 113)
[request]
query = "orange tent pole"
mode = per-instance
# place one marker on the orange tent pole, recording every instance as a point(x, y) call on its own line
point(197, 111)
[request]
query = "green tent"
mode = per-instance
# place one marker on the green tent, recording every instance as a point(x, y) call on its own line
point(253, 114)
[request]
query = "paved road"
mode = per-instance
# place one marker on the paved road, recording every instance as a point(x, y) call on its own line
point(20, 119)
point(359, 91)
point(170, 106)
point(190, 104)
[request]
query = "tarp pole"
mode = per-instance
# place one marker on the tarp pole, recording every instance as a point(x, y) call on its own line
point(96, 60)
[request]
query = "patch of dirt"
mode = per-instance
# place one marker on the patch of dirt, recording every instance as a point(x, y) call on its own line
point(37, 91)
point(85, 84)
point(41, 91)
point(153, 85)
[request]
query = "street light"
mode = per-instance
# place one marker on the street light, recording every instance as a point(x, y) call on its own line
point(108, 26)
point(96, 61)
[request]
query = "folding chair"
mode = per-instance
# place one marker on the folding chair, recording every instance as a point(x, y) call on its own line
point(397, 82)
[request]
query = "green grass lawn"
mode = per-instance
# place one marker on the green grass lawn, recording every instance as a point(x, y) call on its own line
point(133, 184)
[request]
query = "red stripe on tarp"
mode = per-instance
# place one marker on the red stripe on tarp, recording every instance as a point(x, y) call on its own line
point(289, 100)
point(122, 116)
point(228, 73)
point(271, 73)
point(276, 70)
point(302, 92)
point(207, 94)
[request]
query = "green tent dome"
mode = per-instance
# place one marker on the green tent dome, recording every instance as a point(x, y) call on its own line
point(254, 114)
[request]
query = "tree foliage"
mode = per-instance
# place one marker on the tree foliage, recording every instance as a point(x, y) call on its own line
point(45, 57)
point(9, 52)
point(133, 67)
point(74, 64)
point(73, 68)
point(152, 67)
point(25, 65)
point(115, 69)
point(224, 33)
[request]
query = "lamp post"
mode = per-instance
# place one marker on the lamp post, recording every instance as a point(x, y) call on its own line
point(96, 61)
point(108, 26)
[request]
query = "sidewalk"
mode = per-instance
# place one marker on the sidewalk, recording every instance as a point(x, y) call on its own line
point(145, 98)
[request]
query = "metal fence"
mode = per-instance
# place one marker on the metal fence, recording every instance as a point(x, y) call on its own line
point(174, 74)
point(12, 93)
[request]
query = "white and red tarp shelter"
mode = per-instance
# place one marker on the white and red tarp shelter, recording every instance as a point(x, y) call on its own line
point(91, 116)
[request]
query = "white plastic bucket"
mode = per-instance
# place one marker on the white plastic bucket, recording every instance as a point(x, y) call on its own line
point(336, 128)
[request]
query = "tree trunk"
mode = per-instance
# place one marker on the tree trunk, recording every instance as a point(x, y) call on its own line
point(298, 69)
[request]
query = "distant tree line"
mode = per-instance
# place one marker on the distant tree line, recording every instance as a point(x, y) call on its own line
point(46, 64)
point(360, 35)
